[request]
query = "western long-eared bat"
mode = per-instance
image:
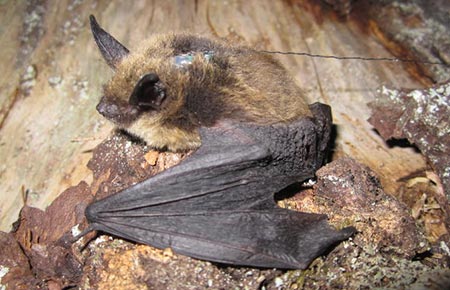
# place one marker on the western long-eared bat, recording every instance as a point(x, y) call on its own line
point(253, 133)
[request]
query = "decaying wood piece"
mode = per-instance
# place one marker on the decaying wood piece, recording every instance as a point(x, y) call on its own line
point(389, 238)
point(422, 117)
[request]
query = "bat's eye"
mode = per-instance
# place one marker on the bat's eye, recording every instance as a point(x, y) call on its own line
point(149, 92)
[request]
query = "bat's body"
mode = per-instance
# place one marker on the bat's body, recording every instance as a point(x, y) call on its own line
point(198, 82)
point(255, 136)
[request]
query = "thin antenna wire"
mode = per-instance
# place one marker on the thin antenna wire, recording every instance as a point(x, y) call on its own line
point(353, 57)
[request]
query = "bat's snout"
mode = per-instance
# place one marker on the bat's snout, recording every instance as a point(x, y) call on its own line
point(107, 110)
point(120, 113)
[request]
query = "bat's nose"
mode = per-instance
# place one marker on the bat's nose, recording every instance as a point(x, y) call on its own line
point(107, 109)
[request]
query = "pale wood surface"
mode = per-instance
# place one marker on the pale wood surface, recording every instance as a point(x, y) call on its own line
point(38, 131)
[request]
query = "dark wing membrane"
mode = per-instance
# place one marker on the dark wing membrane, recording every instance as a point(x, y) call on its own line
point(218, 205)
point(216, 176)
point(263, 238)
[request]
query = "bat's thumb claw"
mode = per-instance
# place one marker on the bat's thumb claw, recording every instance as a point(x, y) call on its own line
point(348, 231)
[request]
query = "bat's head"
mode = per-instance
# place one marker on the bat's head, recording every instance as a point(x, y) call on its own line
point(147, 94)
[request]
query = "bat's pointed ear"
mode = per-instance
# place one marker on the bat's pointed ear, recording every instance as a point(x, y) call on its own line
point(112, 50)
point(149, 92)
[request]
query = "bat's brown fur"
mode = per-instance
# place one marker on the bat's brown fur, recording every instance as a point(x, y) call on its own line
point(237, 84)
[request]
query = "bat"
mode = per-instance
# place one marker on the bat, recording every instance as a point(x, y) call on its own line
point(253, 134)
